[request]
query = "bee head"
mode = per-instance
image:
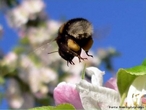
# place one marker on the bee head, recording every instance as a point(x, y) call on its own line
point(66, 56)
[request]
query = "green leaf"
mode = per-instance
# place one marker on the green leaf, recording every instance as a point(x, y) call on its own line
point(19, 50)
point(43, 108)
point(137, 70)
point(124, 80)
point(24, 41)
point(65, 106)
point(125, 77)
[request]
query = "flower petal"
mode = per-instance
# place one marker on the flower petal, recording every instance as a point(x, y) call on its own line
point(67, 93)
point(143, 100)
point(96, 97)
point(112, 83)
point(96, 75)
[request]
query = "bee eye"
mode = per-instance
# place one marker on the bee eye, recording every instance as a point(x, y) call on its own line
point(73, 45)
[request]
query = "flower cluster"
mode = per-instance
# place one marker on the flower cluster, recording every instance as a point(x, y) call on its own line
point(86, 95)
point(94, 96)
point(27, 10)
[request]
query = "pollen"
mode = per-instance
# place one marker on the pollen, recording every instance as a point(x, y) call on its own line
point(135, 99)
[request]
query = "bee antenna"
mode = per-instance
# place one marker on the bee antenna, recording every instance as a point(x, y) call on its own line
point(52, 52)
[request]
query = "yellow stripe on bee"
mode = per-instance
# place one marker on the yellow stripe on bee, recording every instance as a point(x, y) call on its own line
point(88, 45)
point(73, 45)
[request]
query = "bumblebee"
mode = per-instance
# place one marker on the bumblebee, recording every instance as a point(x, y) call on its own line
point(74, 35)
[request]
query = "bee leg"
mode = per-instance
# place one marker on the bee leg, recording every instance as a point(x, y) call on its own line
point(67, 63)
point(88, 54)
point(71, 62)
point(80, 58)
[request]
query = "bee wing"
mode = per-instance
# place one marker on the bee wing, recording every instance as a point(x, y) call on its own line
point(44, 50)
point(102, 32)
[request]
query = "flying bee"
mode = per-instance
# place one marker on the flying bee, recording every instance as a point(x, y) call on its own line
point(73, 36)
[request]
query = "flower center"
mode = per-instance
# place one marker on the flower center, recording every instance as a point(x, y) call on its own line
point(135, 99)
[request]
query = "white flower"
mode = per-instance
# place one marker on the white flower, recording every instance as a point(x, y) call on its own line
point(14, 94)
point(26, 100)
point(48, 75)
point(25, 62)
point(37, 77)
point(34, 80)
point(18, 16)
point(96, 76)
point(10, 58)
point(38, 35)
point(16, 101)
point(136, 92)
point(94, 96)
point(33, 6)
point(41, 34)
